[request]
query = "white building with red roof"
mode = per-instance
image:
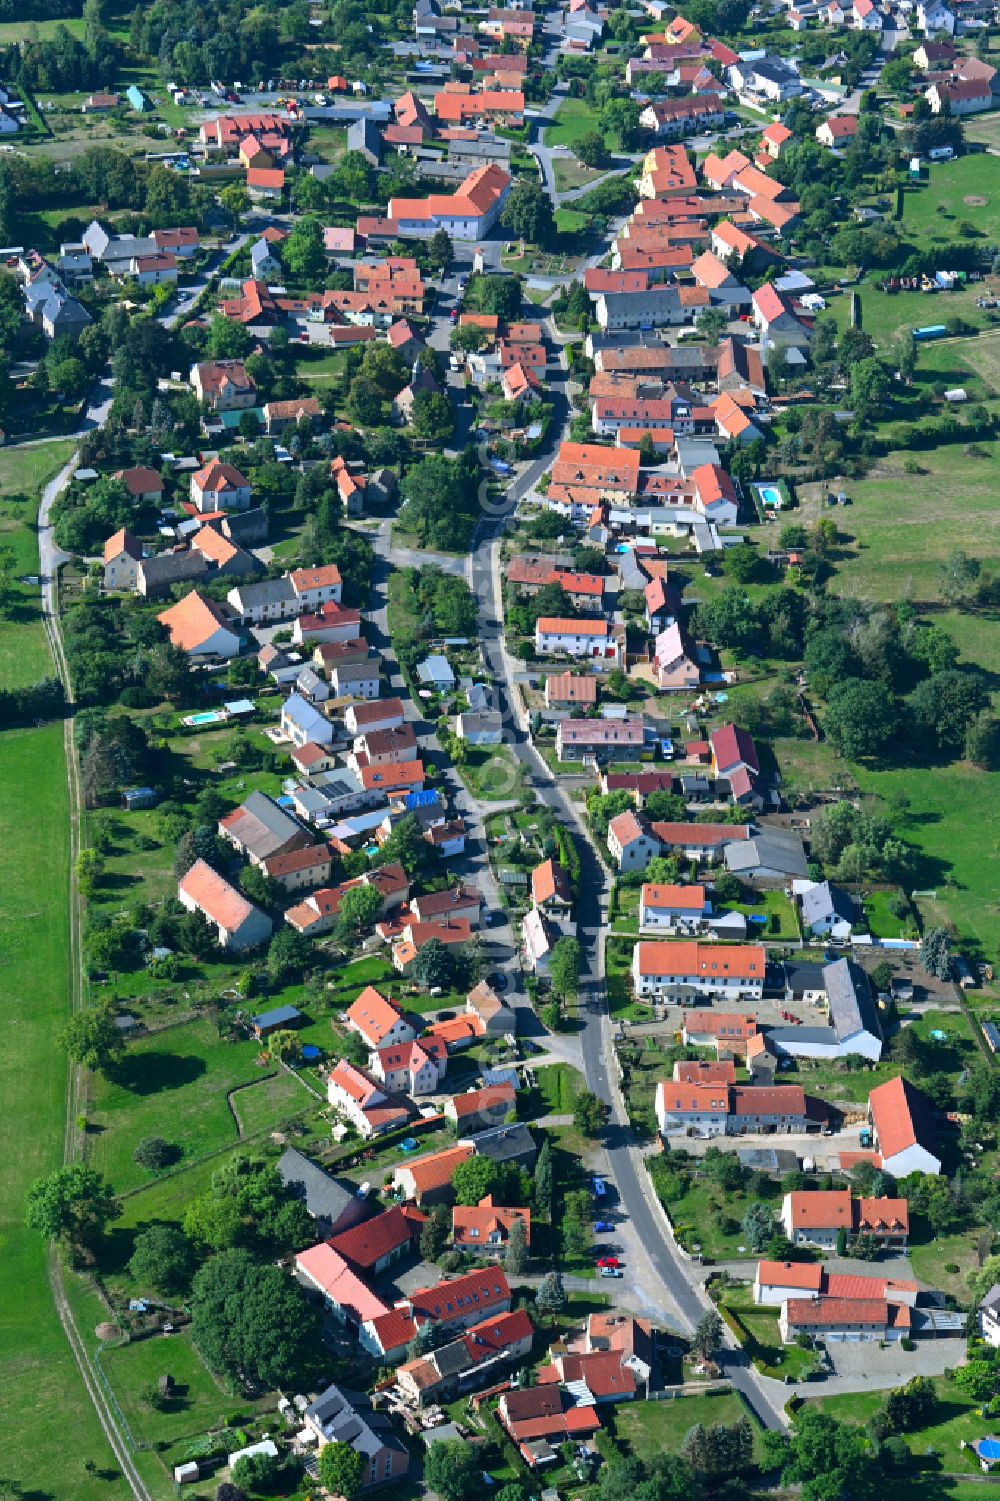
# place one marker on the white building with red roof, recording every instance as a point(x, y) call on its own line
point(378, 1020)
point(903, 1127)
point(238, 923)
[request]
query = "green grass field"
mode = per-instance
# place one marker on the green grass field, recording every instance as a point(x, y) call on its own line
point(651, 1428)
point(954, 823)
point(884, 315)
point(574, 118)
point(954, 191)
point(34, 966)
point(173, 1084)
point(200, 1402)
point(24, 655)
point(902, 525)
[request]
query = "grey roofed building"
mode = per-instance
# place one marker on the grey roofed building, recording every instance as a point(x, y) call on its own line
point(266, 592)
point(345, 1417)
point(260, 828)
point(171, 568)
point(435, 672)
point(849, 998)
point(334, 1202)
point(824, 903)
point(365, 136)
point(244, 527)
point(771, 854)
point(800, 978)
point(262, 260)
point(513, 1144)
point(484, 149)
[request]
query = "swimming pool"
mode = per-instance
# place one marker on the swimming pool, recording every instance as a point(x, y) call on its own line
point(770, 496)
point(205, 716)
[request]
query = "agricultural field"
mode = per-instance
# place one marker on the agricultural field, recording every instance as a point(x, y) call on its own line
point(35, 1004)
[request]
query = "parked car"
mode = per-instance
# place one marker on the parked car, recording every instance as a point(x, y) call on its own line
point(606, 1261)
point(602, 1227)
point(610, 1271)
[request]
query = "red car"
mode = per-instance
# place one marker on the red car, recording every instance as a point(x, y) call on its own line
point(608, 1261)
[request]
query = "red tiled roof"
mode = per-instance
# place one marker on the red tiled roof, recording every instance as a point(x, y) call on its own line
point(364, 1245)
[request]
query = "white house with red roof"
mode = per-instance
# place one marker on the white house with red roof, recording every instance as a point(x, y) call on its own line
point(378, 1021)
point(413, 1068)
point(903, 1128)
point(220, 487)
point(355, 1094)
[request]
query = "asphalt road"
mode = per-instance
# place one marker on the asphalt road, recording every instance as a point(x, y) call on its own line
point(628, 1179)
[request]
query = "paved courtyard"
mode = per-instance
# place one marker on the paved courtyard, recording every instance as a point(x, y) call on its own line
point(864, 1367)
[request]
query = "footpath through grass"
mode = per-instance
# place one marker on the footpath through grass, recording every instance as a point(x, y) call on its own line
point(24, 655)
point(34, 1003)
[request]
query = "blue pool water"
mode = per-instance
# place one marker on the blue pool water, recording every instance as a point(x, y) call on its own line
point(989, 1448)
point(770, 496)
point(206, 716)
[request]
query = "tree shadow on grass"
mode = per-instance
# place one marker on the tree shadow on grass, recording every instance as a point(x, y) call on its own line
point(149, 1073)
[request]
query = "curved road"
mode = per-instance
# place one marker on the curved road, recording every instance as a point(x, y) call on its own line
point(627, 1171)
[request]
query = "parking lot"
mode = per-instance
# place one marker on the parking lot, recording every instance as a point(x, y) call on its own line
point(864, 1366)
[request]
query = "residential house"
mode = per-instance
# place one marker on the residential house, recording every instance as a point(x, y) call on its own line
point(728, 1032)
point(220, 487)
point(729, 1110)
point(238, 923)
point(773, 856)
point(631, 842)
point(301, 869)
point(702, 842)
point(818, 1218)
point(471, 212)
point(600, 739)
point(378, 1021)
point(122, 555)
point(413, 1068)
point(472, 1360)
point(427, 1180)
point(142, 484)
point(828, 911)
point(672, 907)
point(480, 1109)
point(837, 131)
point(568, 690)
point(683, 972)
point(592, 1379)
point(675, 667)
point(303, 723)
point(341, 1417)
point(485, 1229)
point(550, 887)
point(496, 1018)
point(356, 1095)
point(223, 385)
